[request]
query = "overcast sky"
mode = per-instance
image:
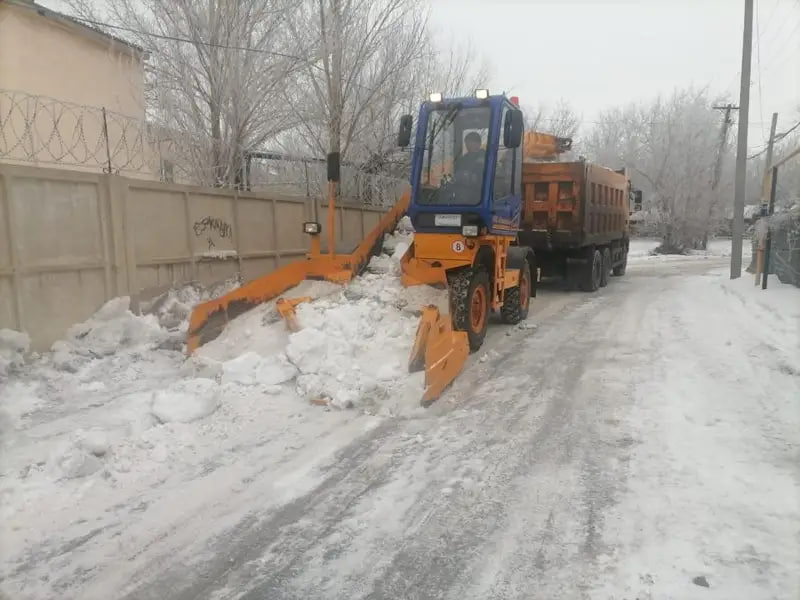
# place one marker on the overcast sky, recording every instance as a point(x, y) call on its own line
point(606, 52)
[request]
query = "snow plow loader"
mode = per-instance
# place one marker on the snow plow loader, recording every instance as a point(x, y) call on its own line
point(465, 204)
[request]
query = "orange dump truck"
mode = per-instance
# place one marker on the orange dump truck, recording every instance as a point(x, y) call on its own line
point(575, 217)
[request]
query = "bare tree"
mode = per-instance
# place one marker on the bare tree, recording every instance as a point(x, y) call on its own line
point(562, 120)
point(216, 74)
point(672, 146)
point(357, 52)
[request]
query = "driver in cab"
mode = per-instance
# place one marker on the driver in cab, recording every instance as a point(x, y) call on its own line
point(469, 166)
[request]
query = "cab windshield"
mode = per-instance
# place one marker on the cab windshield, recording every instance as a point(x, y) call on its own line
point(454, 157)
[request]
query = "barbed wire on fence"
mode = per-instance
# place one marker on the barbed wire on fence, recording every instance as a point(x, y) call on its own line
point(46, 131)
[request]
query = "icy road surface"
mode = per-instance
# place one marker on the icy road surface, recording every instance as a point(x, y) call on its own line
point(641, 442)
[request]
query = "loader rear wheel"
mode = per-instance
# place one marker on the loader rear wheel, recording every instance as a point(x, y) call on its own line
point(606, 271)
point(592, 272)
point(518, 299)
point(469, 304)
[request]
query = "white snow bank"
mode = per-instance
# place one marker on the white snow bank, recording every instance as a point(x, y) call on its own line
point(261, 330)
point(642, 249)
point(17, 401)
point(353, 347)
point(13, 346)
point(253, 369)
point(185, 401)
point(110, 329)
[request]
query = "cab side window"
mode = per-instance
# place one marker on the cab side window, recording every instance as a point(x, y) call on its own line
point(503, 175)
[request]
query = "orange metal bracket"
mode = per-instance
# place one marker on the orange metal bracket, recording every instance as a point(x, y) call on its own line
point(286, 310)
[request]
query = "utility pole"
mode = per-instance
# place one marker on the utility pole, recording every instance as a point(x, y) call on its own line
point(741, 151)
point(723, 139)
point(765, 211)
point(768, 166)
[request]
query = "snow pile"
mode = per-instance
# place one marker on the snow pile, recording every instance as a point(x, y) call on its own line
point(13, 346)
point(17, 401)
point(110, 329)
point(353, 347)
point(253, 369)
point(173, 307)
point(186, 401)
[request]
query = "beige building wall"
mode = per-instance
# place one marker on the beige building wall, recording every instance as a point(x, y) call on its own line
point(56, 76)
point(48, 56)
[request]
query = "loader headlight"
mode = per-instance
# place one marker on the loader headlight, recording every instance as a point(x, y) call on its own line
point(481, 94)
point(312, 228)
point(469, 231)
point(436, 97)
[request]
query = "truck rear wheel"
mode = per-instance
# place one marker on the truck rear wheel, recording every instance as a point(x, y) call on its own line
point(517, 301)
point(592, 272)
point(606, 270)
point(469, 304)
point(619, 270)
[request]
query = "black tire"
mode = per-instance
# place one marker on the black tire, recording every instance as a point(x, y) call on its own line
point(517, 301)
point(620, 269)
point(592, 271)
point(606, 271)
point(464, 285)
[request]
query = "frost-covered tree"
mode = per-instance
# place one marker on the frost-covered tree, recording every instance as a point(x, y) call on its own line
point(357, 54)
point(672, 146)
point(561, 120)
point(216, 74)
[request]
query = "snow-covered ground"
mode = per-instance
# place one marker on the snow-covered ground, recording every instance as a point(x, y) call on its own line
point(622, 445)
point(641, 249)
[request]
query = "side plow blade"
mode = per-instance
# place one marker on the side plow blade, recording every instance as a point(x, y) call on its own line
point(440, 350)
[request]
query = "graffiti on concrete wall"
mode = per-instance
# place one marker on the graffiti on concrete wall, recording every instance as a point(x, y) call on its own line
point(212, 227)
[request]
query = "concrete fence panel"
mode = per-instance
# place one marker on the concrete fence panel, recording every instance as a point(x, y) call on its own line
point(70, 241)
point(58, 249)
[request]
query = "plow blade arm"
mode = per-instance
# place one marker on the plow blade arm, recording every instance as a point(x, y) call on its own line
point(440, 350)
point(210, 318)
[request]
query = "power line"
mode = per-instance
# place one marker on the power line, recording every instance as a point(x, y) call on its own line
point(777, 138)
point(187, 40)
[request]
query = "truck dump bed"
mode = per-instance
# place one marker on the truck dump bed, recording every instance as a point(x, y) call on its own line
point(572, 204)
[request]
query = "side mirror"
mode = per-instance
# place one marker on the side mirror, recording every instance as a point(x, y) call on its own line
point(404, 134)
point(512, 129)
point(637, 200)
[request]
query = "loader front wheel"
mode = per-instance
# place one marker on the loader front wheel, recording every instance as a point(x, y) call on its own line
point(518, 299)
point(469, 303)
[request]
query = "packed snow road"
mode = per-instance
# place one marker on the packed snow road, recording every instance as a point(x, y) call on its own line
point(636, 443)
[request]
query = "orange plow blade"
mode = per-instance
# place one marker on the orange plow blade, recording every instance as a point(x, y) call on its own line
point(440, 349)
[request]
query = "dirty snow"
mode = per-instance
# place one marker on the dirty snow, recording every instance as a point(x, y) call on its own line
point(100, 433)
point(118, 451)
point(13, 346)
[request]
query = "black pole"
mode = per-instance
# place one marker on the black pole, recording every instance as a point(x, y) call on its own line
point(105, 135)
point(768, 244)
